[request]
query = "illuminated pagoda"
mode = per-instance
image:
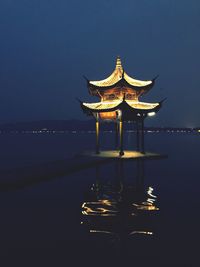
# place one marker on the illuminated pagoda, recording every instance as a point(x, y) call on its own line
point(119, 96)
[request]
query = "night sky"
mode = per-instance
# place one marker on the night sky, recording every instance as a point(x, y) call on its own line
point(47, 45)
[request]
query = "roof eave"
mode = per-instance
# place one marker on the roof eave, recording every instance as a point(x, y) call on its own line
point(123, 105)
point(121, 83)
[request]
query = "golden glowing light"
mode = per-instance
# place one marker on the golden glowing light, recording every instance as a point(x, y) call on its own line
point(145, 206)
point(99, 208)
point(135, 82)
point(112, 104)
point(108, 115)
point(117, 75)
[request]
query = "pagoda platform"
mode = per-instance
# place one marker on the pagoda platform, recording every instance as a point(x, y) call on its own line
point(128, 155)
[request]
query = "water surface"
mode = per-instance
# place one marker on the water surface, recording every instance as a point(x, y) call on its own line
point(139, 213)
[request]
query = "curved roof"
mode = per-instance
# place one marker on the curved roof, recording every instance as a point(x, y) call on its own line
point(124, 105)
point(119, 78)
point(106, 105)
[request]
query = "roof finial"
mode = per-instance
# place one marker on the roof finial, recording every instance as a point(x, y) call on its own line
point(119, 63)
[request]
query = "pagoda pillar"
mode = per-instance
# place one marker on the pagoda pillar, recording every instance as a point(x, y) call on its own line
point(121, 151)
point(137, 136)
point(142, 135)
point(117, 135)
point(97, 134)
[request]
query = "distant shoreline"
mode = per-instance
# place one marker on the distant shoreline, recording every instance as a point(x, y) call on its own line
point(146, 130)
point(75, 126)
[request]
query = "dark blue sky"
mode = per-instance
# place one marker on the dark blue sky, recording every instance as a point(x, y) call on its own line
point(46, 47)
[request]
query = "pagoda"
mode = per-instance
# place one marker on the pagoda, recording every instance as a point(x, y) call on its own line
point(119, 96)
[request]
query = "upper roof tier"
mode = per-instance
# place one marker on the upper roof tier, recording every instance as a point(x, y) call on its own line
point(119, 78)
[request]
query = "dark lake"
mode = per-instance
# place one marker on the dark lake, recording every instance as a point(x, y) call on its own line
point(136, 213)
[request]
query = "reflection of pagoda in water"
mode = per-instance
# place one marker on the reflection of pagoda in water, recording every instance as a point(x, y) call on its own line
point(119, 102)
point(119, 209)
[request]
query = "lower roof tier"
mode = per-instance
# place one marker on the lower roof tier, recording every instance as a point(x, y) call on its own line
point(107, 105)
point(130, 109)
